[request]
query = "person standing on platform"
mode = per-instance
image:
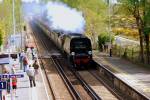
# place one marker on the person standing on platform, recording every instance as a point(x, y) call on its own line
point(21, 57)
point(36, 67)
point(32, 49)
point(7, 80)
point(25, 63)
point(14, 84)
point(31, 74)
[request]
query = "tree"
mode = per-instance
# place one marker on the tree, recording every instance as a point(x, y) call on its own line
point(137, 8)
point(6, 17)
point(1, 36)
point(146, 18)
point(95, 15)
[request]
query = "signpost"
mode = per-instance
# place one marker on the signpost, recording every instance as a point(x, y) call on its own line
point(3, 85)
point(11, 75)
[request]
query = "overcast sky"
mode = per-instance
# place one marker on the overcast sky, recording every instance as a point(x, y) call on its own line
point(30, 0)
point(1, 1)
point(114, 1)
point(26, 1)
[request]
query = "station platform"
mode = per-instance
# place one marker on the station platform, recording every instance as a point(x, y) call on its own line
point(24, 91)
point(136, 76)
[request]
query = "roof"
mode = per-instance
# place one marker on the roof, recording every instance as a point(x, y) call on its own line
point(4, 59)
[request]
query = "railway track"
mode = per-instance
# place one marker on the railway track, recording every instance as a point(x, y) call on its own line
point(68, 83)
point(80, 85)
point(39, 49)
point(79, 79)
point(46, 62)
point(96, 74)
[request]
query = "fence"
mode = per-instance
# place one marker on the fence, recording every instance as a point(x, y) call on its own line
point(128, 52)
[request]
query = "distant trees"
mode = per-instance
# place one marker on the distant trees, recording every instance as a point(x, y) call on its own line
point(95, 13)
point(140, 10)
point(5, 16)
point(6, 23)
point(146, 19)
point(1, 36)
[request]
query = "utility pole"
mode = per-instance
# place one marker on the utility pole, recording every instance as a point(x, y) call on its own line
point(14, 32)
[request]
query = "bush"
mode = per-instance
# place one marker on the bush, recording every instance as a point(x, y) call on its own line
point(1, 36)
point(102, 39)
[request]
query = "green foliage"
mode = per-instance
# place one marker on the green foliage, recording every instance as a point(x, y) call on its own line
point(94, 12)
point(103, 38)
point(6, 23)
point(147, 19)
point(1, 36)
point(147, 30)
point(140, 9)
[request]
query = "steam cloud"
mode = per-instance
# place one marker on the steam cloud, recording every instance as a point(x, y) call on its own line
point(63, 18)
point(60, 17)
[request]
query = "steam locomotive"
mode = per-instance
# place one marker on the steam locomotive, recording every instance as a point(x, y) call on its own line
point(77, 47)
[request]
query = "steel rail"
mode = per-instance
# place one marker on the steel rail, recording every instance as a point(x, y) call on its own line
point(68, 84)
point(89, 90)
point(49, 84)
point(65, 78)
point(106, 85)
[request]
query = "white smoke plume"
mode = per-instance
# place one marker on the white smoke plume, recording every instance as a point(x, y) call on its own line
point(59, 16)
point(63, 18)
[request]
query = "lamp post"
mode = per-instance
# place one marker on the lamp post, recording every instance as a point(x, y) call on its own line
point(109, 29)
point(14, 21)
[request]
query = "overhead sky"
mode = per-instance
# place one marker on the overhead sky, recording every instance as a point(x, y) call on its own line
point(114, 1)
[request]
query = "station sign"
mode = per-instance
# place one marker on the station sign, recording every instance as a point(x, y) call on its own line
point(3, 85)
point(11, 75)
